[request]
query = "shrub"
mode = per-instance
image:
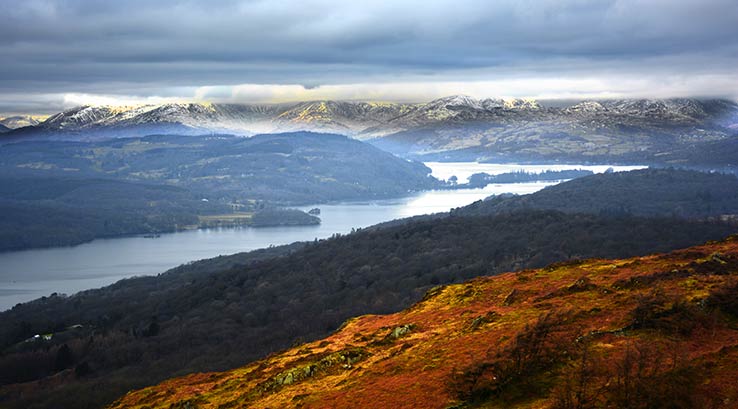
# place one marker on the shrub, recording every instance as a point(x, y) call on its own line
point(725, 298)
point(511, 372)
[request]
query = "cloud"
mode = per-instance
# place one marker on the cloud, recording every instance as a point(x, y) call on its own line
point(140, 49)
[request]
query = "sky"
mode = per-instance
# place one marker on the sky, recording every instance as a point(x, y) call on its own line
point(64, 53)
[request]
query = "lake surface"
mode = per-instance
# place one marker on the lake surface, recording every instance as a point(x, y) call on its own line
point(30, 274)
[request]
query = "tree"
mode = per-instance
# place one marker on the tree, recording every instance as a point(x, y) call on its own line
point(64, 358)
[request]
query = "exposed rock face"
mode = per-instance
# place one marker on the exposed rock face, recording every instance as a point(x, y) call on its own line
point(401, 331)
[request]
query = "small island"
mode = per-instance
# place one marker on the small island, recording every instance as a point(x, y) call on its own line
point(481, 180)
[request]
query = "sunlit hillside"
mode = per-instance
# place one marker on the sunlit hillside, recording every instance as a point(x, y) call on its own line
point(646, 332)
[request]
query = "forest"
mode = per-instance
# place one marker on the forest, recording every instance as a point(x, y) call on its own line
point(223, 312)
point(282, 169)
point(647, 192)
point(652, 332)
point(53, 211)
point(220, 313)
point(480, 180)
point(67, 193)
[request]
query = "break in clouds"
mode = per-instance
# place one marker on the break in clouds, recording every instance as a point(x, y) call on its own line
point(61, 53)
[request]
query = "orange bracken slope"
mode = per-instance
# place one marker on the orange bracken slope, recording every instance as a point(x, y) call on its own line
point(639, 332)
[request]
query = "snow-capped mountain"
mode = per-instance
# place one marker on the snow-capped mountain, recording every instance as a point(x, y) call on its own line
point(588, 130)
point(186, 118)
point(360, 119)
point(20, 121)
point(77, 118)
point(677, 109)
point(586, 107)
point(457, 124)
point(463, 107)
point(339, 116)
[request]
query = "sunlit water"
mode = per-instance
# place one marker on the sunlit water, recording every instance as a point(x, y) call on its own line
point(30, 274)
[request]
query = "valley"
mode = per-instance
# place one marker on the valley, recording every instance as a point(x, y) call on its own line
point(207, 238)
point(199, 316)
point(31, 274)
point(390, 204)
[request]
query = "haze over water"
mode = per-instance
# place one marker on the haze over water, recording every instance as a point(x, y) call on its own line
point(30, 274)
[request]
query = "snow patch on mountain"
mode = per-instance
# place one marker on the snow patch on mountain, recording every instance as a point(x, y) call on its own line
point(20, 121)
point(365, 120)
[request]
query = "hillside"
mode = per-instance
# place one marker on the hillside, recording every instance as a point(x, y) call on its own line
point(647, 192)
point(290, 168)
point(65, 193)
point(656, 331)
point(54, 211)
point(220, 313)
point(661, 132)
point(361, 119)
point(452, 128)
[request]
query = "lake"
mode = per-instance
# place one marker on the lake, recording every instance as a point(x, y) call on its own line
point(30, 274)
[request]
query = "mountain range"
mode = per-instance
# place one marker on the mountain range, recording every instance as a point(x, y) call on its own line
point(20, 121)
point(363, 120)
point(626, 131)
point(674, 131)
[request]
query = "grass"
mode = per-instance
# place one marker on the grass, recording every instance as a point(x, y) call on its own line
point(444, 361)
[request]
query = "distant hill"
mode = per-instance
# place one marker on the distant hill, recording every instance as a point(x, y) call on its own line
point(452, 128)
point(20, 121)
point(289, 168)
point(718, 154)
point(646, 332)
point(4, 129)
point(46, 212)
point(648, 192)
point(626, 131)
point(65, 193)
point(221, 313)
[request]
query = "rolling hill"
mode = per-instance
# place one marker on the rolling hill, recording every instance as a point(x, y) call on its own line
point(646, 332)
point(163, 183)
point(647, 192)
point(298, 167)
point(220, 313)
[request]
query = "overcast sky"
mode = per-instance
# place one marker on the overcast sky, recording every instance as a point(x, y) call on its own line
point(56, 54)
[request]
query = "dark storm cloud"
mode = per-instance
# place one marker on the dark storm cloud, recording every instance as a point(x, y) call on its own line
point(146, 47)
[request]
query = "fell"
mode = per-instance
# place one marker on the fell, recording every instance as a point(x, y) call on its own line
point(654, 331)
